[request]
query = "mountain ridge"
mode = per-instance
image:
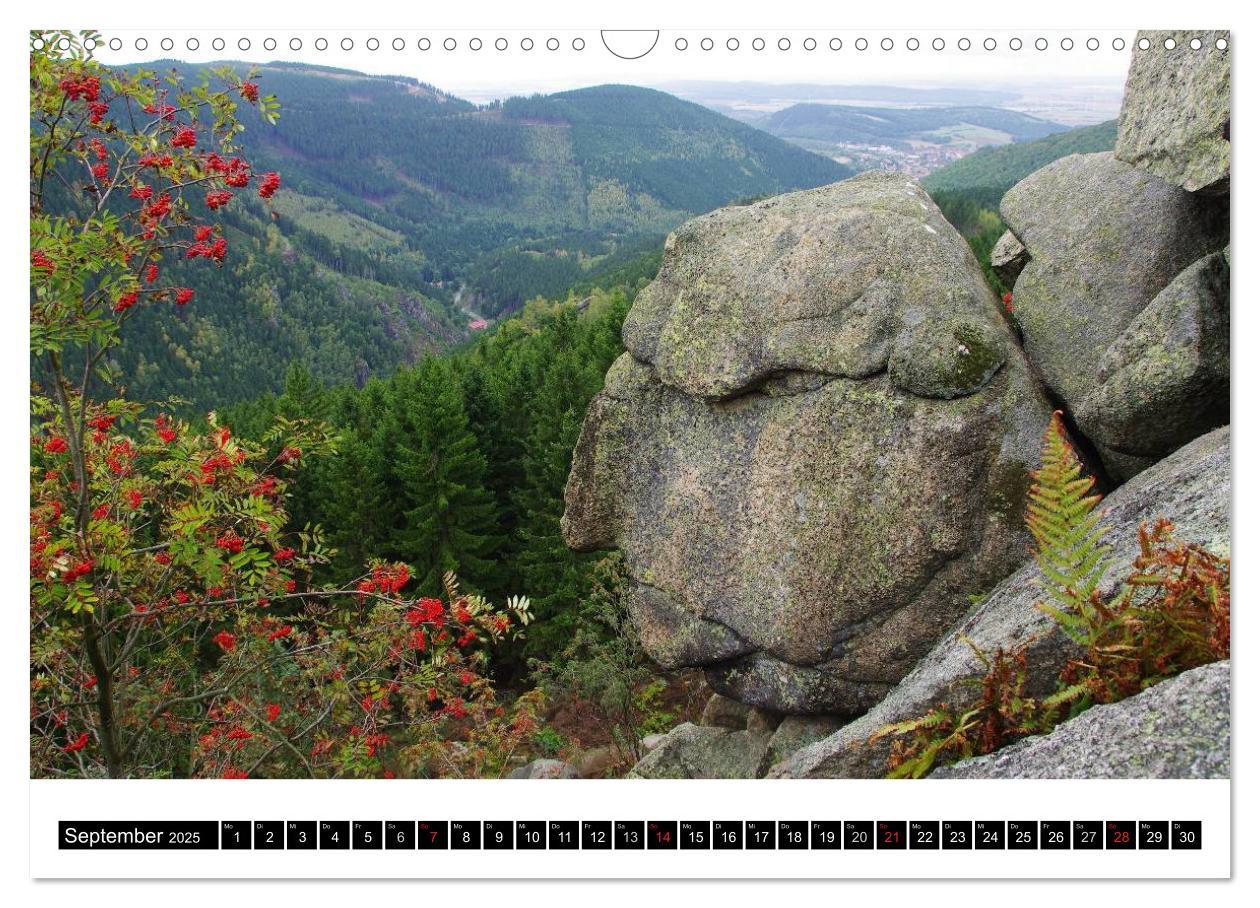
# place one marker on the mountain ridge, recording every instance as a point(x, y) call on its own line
point(407, 214)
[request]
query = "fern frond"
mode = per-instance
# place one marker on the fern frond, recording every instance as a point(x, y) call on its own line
point(1061, 515)
point(938, 716)
point(1065, 695)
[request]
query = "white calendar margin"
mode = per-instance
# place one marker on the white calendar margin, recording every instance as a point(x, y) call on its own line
point(792, 799)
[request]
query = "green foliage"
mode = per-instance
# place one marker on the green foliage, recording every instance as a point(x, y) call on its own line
point(655, 718)
point(460, 463)
point(602, 664)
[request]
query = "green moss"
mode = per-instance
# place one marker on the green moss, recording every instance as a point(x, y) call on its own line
point(979, 362)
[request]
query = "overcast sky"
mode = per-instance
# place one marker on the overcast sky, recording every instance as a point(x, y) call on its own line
point(476, 68)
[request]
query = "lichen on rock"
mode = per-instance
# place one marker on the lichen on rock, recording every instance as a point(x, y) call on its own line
point(1175, 118)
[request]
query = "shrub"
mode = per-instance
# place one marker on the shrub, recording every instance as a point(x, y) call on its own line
point(175, 626)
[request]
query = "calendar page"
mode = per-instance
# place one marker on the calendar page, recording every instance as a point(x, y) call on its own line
point(695, 452)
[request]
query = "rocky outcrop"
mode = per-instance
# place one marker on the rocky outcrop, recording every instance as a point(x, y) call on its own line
point(1094, 267)
point(1178, 729)
point(815, 449)
point(1191, 488)
point(1165, 380)
point(797, 732)
point(723, 712)
point(1175, 118)
point(545, 769)
point(1008, 258)
point(701, 752)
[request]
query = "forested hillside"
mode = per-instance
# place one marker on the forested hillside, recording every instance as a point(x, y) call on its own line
point(406, 213)
point(459, 463)
point(989, 172)
point(891, 125)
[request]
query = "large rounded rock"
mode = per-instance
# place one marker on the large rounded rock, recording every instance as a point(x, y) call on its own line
point(1165, 380)
point(815, 449)
point(1104, 238)
point(1175, 118)
point(1191, 488)
point(1178, 729)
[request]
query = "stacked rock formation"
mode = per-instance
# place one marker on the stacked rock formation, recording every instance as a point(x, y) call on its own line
point(814, 454)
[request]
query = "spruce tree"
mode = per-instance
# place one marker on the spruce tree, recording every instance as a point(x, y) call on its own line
point(449, 516)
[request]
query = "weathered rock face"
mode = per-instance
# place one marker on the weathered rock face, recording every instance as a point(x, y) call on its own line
point(1008, 258)
point(701, 752)
point(1104, 238)
point(1178, 729)
point(723, 712)
point(1165, 380)
point(815, 449)
point(545, 769)
point(797, 732)
point(1191, 488)
point(1175, 118)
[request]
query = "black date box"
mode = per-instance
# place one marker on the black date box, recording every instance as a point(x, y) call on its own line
point(662, 834)
point(300, 835)
point(1056, 835)
point(924, 834)
point(793, 835)
point(826, 835)
point(531, 835)
point(1087, 835)
point(235, 834)
point(859, 834)
point(1153, 834)
point(400, 835)
point(496, 835)
point(956, 835)
point(759, 835)
point(269, 835)
point(367, 835)
point(1187, 834)
point(1121, 834)
point(334, 835)
point(890, 835)
point(1021, 835)
point(630, 834)
point(990, 835)
point(465, 835)
point(433, 835)
point(597, 835)
point(562, 835)
point(695, 835)
point(728, 834)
